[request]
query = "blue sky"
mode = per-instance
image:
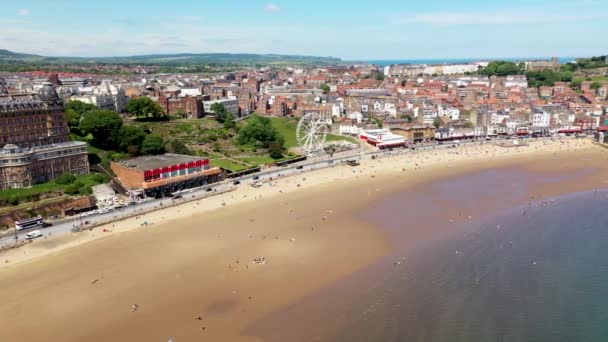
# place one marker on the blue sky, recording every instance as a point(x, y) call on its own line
point(379, 29)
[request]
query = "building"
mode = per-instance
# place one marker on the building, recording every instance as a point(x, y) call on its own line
point(187, 106)
point(520, 81)
point(157, 176)
point(541, 118)
point(104, 96)
point(231, 106)
point(34, 136)
point(382, 138)
point(411, 131)
point(22, 168)
point(553, 64)
point(29, 120)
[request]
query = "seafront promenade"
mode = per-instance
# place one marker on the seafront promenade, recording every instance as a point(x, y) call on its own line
point(78, 222)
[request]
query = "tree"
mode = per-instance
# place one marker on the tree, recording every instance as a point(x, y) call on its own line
point(576, 83)
point(379, 77)
point(437, 123)
point(229, 122)
point(258, 132)
point(65, 179)
point(177, 146)
point(130, 139)
point(407, 117)
point(102, 126)
point(74, 112)
point(80, 107)
point(153, 144)
point(595, 86)
point(181, 114)
point(144, 107)
point(220, 112)
point(502, 68)
point(326, 89)
point(276, 150)
point(73, 119)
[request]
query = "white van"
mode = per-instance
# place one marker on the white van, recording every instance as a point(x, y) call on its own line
point(33, 235)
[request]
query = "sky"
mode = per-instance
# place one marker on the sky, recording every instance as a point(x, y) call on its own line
point(348, 29)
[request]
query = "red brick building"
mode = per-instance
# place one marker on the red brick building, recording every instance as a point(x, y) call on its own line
point(156, 176)
point(186, 106)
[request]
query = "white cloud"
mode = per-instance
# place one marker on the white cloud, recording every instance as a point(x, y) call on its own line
point(24, 12)
point(272, 8)
point(505, 17)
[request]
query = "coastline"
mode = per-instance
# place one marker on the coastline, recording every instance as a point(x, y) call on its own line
point(310, 239)
point(458, 209)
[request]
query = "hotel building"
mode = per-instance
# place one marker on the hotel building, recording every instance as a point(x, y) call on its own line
point(35, 140)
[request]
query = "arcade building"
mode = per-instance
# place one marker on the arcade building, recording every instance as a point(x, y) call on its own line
point(158, 176)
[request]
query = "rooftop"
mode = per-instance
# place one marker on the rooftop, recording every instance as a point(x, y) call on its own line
point(156, 162)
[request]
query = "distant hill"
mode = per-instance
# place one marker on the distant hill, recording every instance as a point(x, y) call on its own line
point(9, 57)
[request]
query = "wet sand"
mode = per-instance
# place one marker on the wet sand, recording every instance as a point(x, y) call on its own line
point(312, 236)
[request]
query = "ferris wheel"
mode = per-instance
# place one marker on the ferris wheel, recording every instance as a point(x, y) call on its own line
point(311, 133)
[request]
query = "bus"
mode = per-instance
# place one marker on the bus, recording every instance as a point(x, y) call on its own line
point(29, 223)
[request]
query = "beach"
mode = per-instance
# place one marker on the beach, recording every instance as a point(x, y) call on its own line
point(256, 264)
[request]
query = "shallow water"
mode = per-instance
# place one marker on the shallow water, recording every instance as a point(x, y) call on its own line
point(539, 276)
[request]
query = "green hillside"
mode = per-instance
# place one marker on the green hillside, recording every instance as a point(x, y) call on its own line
point(10, 57)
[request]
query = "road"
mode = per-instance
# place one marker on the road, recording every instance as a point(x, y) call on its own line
point(66, 226)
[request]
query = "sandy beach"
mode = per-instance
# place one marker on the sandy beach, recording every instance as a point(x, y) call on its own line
point(192, 272)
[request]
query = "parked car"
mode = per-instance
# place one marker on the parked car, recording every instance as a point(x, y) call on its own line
point(33, 235)
point(236, 182)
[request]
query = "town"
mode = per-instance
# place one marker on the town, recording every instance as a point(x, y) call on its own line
point(76, 142)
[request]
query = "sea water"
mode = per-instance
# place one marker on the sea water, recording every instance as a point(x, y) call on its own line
point(536, 273)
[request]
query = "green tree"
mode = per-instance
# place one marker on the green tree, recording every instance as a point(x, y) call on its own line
point(229, 122)
point(102, 126)
point(220, 112)
point(326, 89)
point(74, 112)
point(576, 83)
point(276, 150)
point(73, 119)
point(437, 123)
point(407, 117)
point(502, 68)
point(65, 179)
point(258, 132)
point(595, 86)
point(379, 77)
point(144, 107)
point(130, 139)
point(153, 144)
point(80, 107)
point(177, 146)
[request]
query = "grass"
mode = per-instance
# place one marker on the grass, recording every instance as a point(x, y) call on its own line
point(287, 128)
point(331, 137)
point(228, 165)
point(603, 79)
point(17, 196)
point(258, 160)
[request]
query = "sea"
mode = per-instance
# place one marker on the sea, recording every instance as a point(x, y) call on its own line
point(535, 273)
point(387, 62)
